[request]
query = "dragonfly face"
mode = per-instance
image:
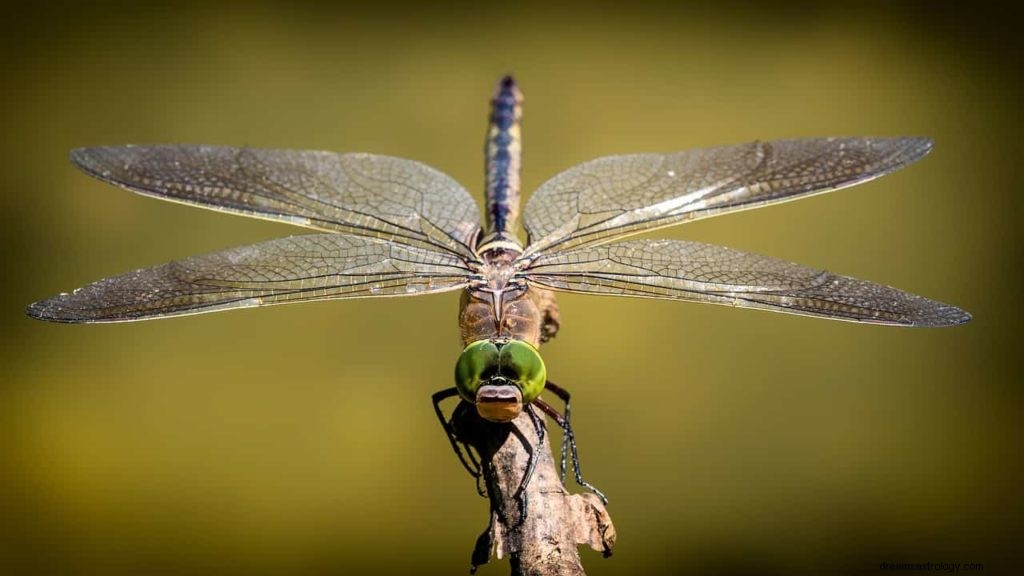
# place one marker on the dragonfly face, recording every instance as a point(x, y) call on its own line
point(500, 376)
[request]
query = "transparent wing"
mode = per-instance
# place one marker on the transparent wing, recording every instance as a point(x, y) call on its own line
point(608, 198)
point(364, 194)
point(295, 269)
point(678, 270)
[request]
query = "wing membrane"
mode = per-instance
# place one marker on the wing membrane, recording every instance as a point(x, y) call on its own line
point(605, 199)
point(678, 270)
point(363, 194)
point(294, 269)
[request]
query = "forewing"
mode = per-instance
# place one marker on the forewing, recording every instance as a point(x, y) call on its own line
point(679, 270)
point(605, 199)
point(294, 269)
point(363, 194)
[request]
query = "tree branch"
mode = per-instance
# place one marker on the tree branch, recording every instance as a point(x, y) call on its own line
point(544, 542)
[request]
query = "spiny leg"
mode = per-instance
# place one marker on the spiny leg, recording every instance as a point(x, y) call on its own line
point(465, 453)
point(563, 394)
point(568, 435)
point(521, 494)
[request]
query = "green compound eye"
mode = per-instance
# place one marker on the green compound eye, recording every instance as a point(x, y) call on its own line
point(522, 364)
point(479, 361)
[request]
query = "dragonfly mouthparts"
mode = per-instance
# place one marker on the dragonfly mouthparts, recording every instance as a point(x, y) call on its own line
point(499, 402)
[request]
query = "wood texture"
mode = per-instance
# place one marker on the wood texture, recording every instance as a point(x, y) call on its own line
point(556, 522)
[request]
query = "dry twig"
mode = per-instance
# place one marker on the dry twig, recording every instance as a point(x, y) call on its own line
point(544, 542)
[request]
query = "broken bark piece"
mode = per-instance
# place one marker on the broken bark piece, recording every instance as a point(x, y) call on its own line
point(544, 542)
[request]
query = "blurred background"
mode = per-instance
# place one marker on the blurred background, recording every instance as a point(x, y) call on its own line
point(300, 439)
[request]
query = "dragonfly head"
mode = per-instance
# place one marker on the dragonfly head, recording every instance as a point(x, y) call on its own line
point(500, 376)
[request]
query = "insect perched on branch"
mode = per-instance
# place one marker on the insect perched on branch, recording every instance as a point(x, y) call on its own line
point(392, 227)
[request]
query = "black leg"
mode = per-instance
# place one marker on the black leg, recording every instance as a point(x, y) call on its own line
point(464, 452)
point(521, 493)
point(563, 394)
point(567, 435)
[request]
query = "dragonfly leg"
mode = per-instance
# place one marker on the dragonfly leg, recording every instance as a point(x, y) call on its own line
point(563, 395)
point(521, 494)
point(567, 435)
point(562, 423)
point(462, 450)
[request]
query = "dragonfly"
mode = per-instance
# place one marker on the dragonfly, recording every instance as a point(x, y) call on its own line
point(386, 227)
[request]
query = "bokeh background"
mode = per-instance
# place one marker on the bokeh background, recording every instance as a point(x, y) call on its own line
point(299, 439)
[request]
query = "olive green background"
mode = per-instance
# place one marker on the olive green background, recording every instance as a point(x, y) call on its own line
point(300, 440)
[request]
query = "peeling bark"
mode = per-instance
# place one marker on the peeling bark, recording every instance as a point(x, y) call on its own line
point(545, 541)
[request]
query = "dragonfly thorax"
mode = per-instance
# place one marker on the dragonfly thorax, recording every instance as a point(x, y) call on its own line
point(498, 303)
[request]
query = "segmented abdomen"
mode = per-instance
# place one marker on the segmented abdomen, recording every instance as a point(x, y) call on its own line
point(503, 152)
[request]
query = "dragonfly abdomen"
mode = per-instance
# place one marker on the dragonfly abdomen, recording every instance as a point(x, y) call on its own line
point(503, 151)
